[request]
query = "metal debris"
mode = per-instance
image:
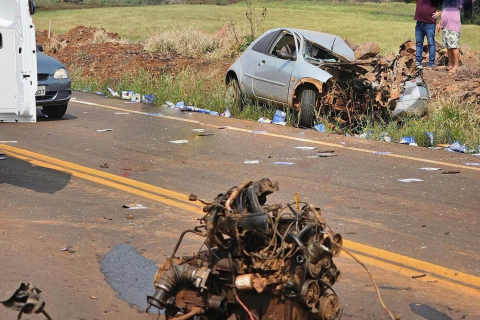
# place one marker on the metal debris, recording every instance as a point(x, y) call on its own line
point(27, 299)
point(104, 165)
point(419, 276)
point(261, 261)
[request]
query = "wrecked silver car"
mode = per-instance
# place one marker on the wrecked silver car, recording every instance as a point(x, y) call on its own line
point(316, 74)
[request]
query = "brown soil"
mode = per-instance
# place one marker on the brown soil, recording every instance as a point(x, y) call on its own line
point(115, 58)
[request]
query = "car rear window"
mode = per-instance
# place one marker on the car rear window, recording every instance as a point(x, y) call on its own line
point(263, 44)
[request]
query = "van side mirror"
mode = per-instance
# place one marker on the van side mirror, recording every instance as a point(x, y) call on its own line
point(39, 48)
point(285, 55)
point(31, 7)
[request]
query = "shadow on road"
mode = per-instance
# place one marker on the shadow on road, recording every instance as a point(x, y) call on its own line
point(22, 174)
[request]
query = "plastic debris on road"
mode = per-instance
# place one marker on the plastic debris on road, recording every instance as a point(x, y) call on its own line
point(436, 148)
point(306, 148)
point(226, 113)
point(122, 112)
point(127, 95)
point(408, 140)
point(198, 130)
point(431, 138)
point(430, 169)
point(199, 110)
point(170, 104)
point(412, 101)
point(457, 146)
point(179, 105)
point(410, 180)
point(473, 164)
point(320, 127)
point(113, 93)
point(365, 135)
point(134, 206)
point(136, 97)
point(279, 118)
point(381, 152)
point(251, 161)
point(104, 130)
point(149, 98)
point(2, 157)
point(387, 139)
point(326, 155)
point(258, 131)
point(264, 120)
point(280, 163)
point(8, 141)
point(178, 141)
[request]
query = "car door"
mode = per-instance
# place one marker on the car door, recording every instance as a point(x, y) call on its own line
point(272, 76)
point(18, 64)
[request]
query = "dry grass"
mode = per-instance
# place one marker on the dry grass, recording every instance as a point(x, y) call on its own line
point(196, 43)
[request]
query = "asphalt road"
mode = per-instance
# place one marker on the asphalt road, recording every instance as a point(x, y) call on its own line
point(62, 221)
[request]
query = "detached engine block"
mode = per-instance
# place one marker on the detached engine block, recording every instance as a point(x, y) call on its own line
point(261, 261)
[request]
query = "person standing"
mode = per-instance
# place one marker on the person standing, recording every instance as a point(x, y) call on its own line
point(451, 26)
point(426, 14)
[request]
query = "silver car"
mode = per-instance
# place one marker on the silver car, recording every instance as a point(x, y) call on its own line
point(281, 67)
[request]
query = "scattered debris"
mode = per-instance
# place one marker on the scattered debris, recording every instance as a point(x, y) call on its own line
point(104, 165)
point(198, 130)
point(251, 161)
point(386, 138)
point(106, 218)
point(226, 113)
point(113, 93)
point(446, 233)
point(205, 134)
point(264, 120)
point(149, 98)
point(326, 155)
point(94, 297)
point(320, 127)
point(122, 112)
point(104, 130)
point(457, 146)
point(27, 299)
point(410, 180)
point(280, 163)
point(431, 138)
point(2, 157)
point(473, 164)
point(419, 276)
point(68, 249)
point(178, 141)
point(170, 104)
point(382, 152)
point(128, 95)
point(306, 148)
point(451, 172)
point(8, 141)
point(199, 110)
point(430, 169)
point(129, 216)
point(413, 101)
point(408, 140)
point(154, 114)
point(258, 131)
point(134, 206)
point(279, 118)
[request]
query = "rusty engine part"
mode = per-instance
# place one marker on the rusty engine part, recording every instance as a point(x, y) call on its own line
point(27, 299)
point(365, 88)
point(262, 261)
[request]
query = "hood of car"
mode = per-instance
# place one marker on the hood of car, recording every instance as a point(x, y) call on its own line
point(327, 41)
point(47, 64)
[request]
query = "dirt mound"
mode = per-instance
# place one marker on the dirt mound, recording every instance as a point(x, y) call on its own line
point(96, 53)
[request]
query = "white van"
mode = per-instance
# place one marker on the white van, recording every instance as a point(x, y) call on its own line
point(18, 61)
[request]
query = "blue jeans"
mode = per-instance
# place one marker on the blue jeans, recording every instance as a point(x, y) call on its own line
point(423, 29)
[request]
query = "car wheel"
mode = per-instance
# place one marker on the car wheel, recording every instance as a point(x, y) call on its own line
point(306, 115)
point(55, 111)
point(233, 96)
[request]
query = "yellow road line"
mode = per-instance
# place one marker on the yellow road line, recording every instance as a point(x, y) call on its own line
point(443, 272)
point(274, 135)
point(107, 183)
point(127, 181)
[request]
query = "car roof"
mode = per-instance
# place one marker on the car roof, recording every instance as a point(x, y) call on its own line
point(326, 40)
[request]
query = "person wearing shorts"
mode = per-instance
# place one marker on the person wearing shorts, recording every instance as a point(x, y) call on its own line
point(451, 26)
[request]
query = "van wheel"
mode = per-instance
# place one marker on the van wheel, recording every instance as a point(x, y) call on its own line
point(306, 115)
point(233, 96)
point(55, 111)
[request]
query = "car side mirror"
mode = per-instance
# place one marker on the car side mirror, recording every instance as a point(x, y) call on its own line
point(31, 7)
point(285, 55)
point(39, 48)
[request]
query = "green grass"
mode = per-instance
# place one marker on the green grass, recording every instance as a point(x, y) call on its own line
point(388, 24)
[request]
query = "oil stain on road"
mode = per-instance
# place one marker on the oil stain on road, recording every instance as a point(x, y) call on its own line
point(424, 310)
point(129, 274)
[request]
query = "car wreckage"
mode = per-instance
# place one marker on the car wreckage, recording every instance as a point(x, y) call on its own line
point(261, 261)
point(317, 75)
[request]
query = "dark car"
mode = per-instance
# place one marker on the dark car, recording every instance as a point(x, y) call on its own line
point(54, 85)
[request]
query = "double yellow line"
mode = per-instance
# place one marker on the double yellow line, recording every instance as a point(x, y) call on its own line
point(405, 266)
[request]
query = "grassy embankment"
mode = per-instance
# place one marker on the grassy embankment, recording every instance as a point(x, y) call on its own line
point(388, 24)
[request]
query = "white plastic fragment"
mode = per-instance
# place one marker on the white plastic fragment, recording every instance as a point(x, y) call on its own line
point(264, 120)
point(279, 118)
point(226, 113)
point(410, 180)
point(412, 101)
point(2, 157)
point(430, 169)
point(258, 131)
point(122, 112)
point(198, 130)
point(473, 164)
point(113, 93)
point(251, 161)
point(178, 141)
point(8, 141)
point(134, 206)
point(306, 148)
point(170, 104)
point(104, 130)
point(280, 163)
point(381, 152)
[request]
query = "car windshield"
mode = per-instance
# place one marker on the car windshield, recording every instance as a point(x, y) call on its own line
point(313, 53)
